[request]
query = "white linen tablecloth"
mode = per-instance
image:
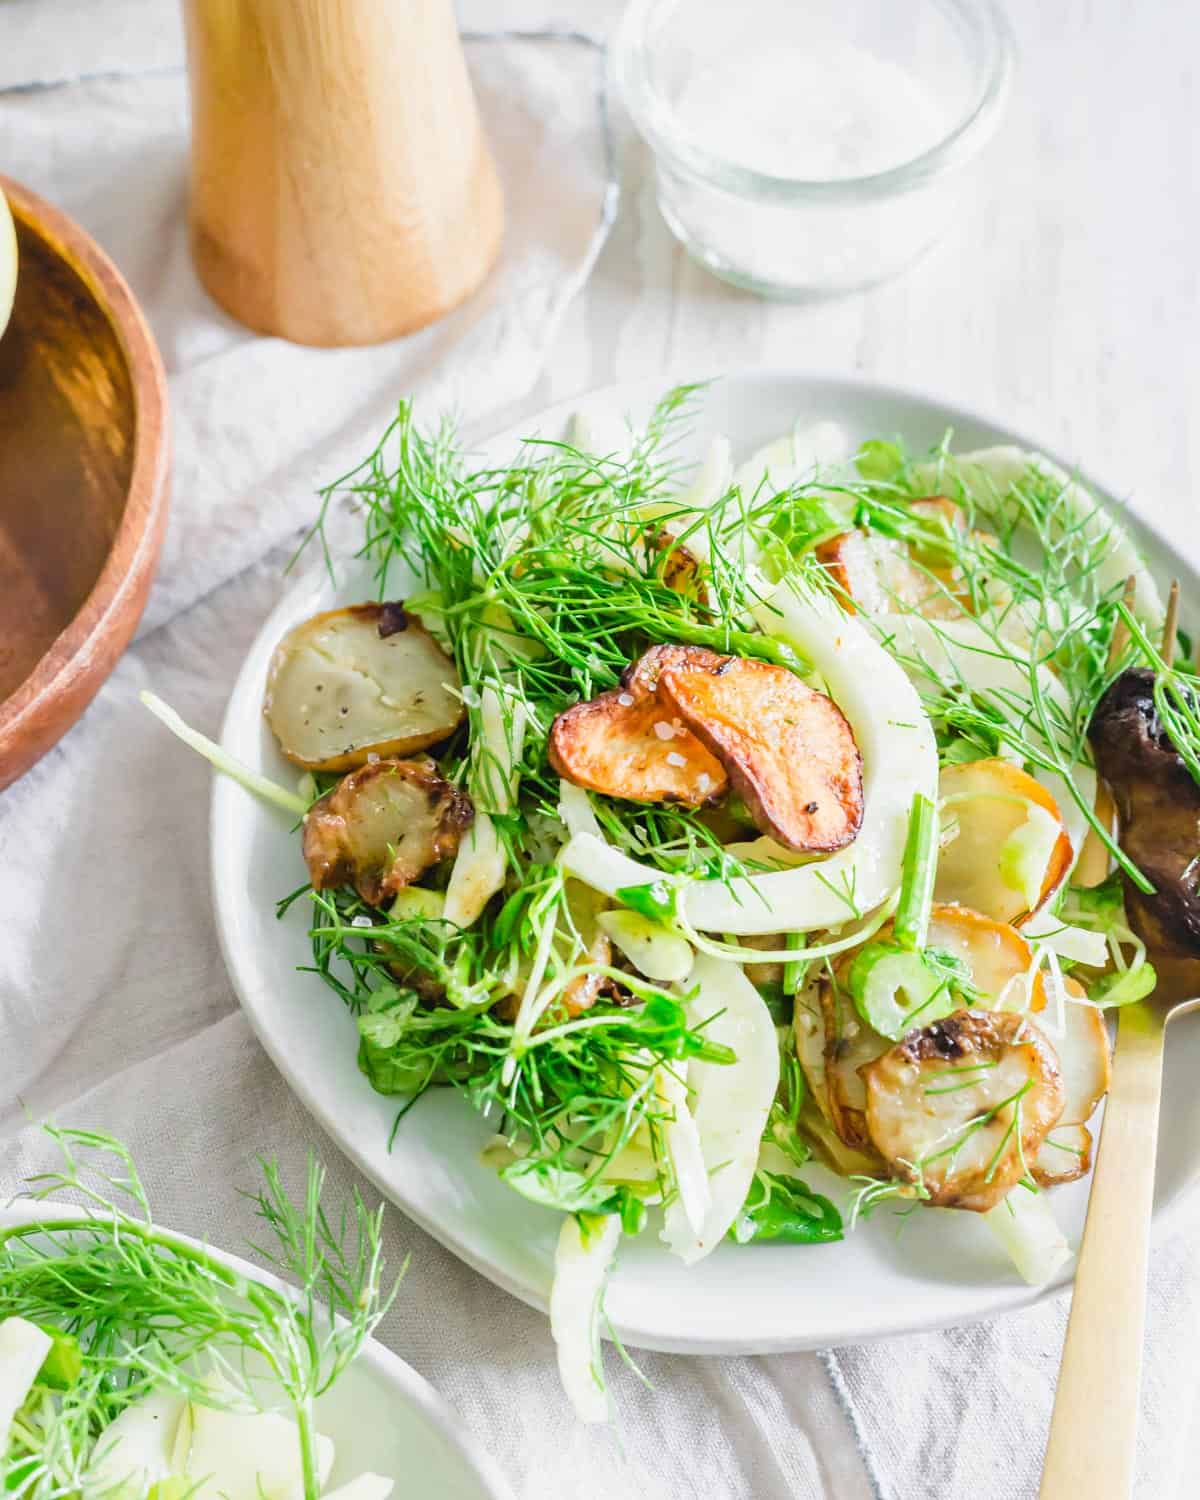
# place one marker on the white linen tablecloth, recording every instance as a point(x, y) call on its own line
point(115, 1011)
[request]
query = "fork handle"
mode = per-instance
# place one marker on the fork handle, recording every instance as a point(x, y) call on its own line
point(1094, 1429)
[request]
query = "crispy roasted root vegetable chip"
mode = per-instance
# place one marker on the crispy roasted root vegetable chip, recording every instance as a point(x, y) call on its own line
point(880, 574)
point(961, 1107)
point(356, 682)
point(628, 744)
point(1012, 849)
point(790, 754)
point(1065, 1155)
point(382, 827)
point(679, 567)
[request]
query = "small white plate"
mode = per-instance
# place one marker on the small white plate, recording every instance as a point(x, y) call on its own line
point(943, 1269)
point(382, 1416)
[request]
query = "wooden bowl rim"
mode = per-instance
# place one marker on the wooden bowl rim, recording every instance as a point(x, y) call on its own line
point(135, 546)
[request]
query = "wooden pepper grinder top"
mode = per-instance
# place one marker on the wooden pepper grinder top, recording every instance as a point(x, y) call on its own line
point(342, 191)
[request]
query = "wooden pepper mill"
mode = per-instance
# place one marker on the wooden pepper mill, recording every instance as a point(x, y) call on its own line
point(342, 191)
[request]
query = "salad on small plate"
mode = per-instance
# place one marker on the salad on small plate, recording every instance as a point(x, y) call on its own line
point(724, 835)
point(140, 1364)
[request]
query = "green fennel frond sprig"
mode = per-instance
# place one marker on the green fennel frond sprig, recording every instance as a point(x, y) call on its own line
point(144, 1309)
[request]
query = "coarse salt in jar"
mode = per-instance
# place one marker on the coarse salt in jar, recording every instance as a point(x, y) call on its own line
point(811, 146)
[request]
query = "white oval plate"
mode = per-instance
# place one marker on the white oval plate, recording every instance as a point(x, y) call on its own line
point(944, 1268)
point(382, 1416)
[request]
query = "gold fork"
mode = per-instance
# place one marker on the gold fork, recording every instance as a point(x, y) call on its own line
point(1093, 1433)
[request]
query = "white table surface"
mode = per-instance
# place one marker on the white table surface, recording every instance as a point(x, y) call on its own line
point(1066, 300)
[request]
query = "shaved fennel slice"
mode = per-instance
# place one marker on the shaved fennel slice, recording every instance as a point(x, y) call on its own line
point(1081, 945)
point(480, 864)
point(599, 431)
point(1025, 1225)
point(821, 449)
point(234, 1455)
point(712, 479)
point(581, 1264)
point(575, 810)
point(899, 756)
point(477, 873)
point(1026, 854)
point(23, 1350)
point(685, 1215)
point(733, 1100)
point(988, 474)
point(133, 1453)
point(962, 649)
point(363, 1487)
point(652, 950)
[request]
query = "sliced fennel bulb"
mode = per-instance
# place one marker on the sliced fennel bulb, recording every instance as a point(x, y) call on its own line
point(233, 1455)
point(733, 1101)
point(1026, 854)
point(820, 449)
point(899, 756)
point(362, 1487)
point(166, 1445)
point(684, 1218)
point(480, 864)
point(23, 1349)
point(649, 947)
point(581, 1265)
point(135, 1452)
point(1079, 944)
point(1025, 1226)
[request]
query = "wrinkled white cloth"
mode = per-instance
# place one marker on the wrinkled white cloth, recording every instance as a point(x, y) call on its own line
point(115, 1010)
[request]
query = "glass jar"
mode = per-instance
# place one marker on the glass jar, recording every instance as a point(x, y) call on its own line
point(815, 147)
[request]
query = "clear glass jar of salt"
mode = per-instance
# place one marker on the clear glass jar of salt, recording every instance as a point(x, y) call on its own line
point(811, 146)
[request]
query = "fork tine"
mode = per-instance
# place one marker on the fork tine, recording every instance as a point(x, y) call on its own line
point(1171, 625)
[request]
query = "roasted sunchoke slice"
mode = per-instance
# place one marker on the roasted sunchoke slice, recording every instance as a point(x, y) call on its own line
point(356, 682)
point(790, 754)
point(383, 826)
point(628, 743)
point(961, 1107)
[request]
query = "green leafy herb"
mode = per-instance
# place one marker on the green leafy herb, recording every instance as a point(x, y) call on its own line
point(786, 1210)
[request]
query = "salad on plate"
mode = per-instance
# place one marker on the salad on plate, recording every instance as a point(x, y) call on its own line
point(136, 1364)
point(731, 839)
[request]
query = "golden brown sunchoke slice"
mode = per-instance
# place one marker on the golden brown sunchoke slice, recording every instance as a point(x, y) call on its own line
point(678, 567)
point(1084, 1057)
point(850, 1045)
point(383, 826)
point(880, 574)
point(877, 576)
point(961, 1107)
point(1084, 1060)
point(1007, 824)
point(808, 1030)
point(627, 743)
point(1064, 1155)
point(994, 952)
point(790, 754)
point(356, 682)
point(641, 677)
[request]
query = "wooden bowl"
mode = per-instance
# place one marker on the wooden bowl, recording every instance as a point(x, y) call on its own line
point(84, 461)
